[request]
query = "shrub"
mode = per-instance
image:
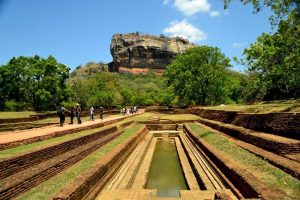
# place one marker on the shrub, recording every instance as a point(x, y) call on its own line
point(13, 105)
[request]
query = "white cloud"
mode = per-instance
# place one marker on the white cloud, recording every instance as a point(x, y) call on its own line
point(214, 13)
point(166, 2)
point(238, 44)
point(185, 30)
point(191, 7)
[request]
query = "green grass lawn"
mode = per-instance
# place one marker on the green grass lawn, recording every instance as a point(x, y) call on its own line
point(10, 115)
point(143, 117)
point(261, 107)
point(48, 188)
point(260, 168)
point(178, 117)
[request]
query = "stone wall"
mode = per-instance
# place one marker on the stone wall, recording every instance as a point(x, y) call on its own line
point(85, 182)
point(19, 163)
point(22, 182)
point(245, 182)
point(162, 126)
point(243, 134)
point(283, 124)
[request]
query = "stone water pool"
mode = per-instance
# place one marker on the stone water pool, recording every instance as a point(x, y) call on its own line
point(165, 173)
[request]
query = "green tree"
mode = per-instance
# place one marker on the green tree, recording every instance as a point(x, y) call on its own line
point(127, 97)
point(280, 8)
point(36, 81)
point(98, 90)
point(275, 58)
point(168, 96)
point(234, 86)
point(252, 88)
point(199, 75)
point(101, 98)
point(122, 89)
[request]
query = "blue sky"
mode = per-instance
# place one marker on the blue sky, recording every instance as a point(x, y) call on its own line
point(79, 31)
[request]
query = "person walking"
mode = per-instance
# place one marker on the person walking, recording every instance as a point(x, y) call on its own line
point(101, 113)
point(123, 111)
point(92, 113)
point(61, 113)
point(78, 113)
point(72, 114)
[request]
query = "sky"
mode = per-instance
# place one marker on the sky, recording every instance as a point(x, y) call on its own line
point(79, 31)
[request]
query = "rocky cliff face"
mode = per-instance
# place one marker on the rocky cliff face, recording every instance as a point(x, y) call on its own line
point(135, 53)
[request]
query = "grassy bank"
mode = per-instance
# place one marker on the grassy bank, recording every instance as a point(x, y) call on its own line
point(265, 172)
point(261, 107)
point(179, 117)
point(10, 115)
point(48, 188)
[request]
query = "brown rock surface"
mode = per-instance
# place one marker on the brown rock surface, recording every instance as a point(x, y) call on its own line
point(136, 53)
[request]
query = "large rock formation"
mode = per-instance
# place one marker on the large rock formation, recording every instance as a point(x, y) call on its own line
point(135, 53)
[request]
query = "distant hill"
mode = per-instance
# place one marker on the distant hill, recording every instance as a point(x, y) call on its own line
point(89, 69)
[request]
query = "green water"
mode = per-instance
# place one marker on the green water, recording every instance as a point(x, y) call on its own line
point(165, 172)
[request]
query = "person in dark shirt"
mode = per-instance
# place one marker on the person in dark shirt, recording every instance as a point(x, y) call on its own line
point(78, 113)
point(61, 113)
point(72, 114)
point(101, 113)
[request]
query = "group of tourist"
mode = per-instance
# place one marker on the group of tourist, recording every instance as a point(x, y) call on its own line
point(128, 111)
point(75, 111)
point(92, 113)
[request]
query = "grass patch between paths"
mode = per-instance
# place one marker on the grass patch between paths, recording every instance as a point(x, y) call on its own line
point(179, 117)
point(261, 107)
point(143, 117)
point(48, 188)
point(267, 173)
point(23, 114)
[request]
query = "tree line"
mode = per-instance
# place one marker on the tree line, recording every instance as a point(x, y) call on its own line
point(202, 75)
point(33, 83)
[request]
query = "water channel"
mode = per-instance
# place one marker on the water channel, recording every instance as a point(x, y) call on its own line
point(165, 173)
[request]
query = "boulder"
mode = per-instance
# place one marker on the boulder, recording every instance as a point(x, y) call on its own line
point(136, 53)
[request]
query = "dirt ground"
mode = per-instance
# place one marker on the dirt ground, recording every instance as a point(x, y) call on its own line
point(13, 136)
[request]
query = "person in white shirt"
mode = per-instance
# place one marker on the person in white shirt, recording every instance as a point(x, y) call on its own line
point(92, 113)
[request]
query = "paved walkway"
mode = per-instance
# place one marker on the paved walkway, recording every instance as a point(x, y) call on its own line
point(14, 136)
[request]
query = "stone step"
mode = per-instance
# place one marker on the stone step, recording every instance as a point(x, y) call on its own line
point(122, 178)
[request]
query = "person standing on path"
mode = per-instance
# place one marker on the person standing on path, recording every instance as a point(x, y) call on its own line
point(101, 113)
point(92, 113)
point(78, 113)
point(72, 114)
point(61, 114)
point(123, 111)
